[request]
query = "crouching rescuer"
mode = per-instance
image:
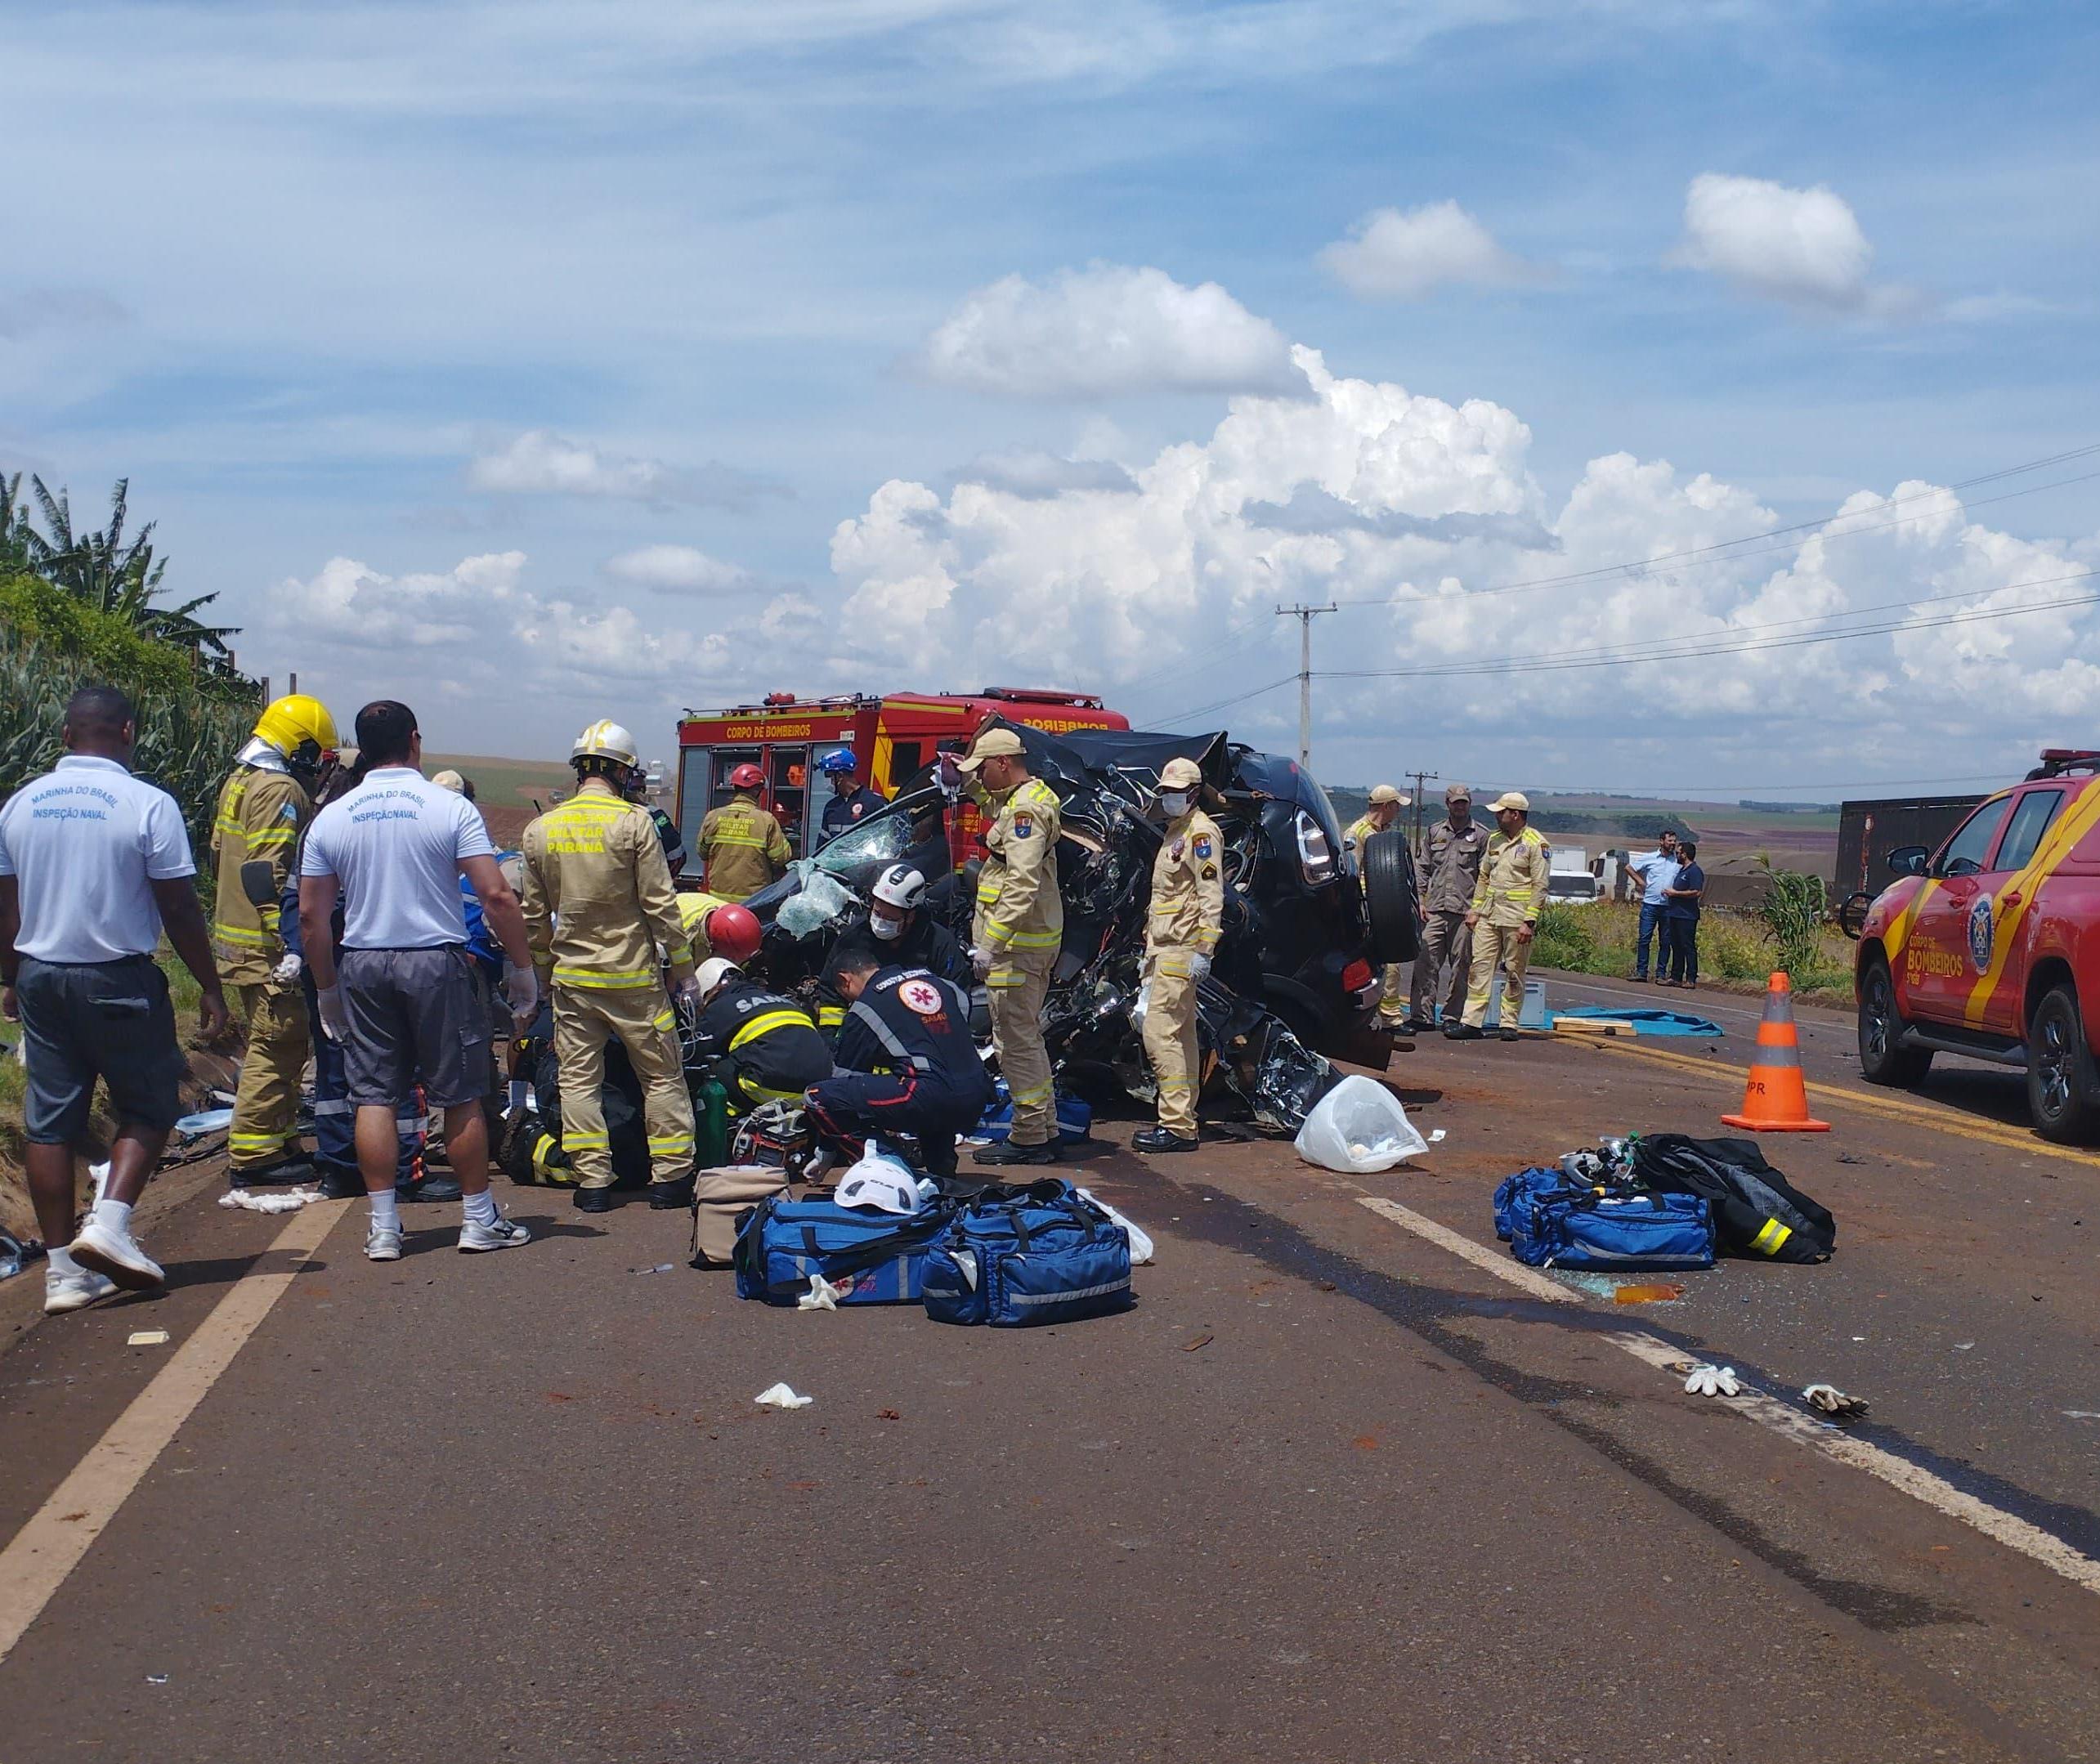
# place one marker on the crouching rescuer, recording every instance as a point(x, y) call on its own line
point(1181, 933)
point(908, 1062)
point(598, 908)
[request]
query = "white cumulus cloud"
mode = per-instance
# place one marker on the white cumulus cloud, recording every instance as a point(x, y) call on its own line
point(1402, 254)
point(1106, 331)
point(541, 462)
point(1804, 246)
point(678, 570)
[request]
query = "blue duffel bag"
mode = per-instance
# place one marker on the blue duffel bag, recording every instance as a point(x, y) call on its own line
point(1075, 1120)
point(1044, 1255)
point(872, 1257)
point(1520, 1190)
point(1619, 1231)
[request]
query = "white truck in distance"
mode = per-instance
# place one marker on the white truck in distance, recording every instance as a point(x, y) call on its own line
point(1570, 882)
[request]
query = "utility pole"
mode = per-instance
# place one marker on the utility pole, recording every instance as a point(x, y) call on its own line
point(1304, 615)
point(1421, 778)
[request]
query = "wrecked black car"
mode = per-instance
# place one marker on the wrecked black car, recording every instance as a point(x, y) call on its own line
point(1296, 974)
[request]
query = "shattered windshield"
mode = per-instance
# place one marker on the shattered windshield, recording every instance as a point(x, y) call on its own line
point(881, 838)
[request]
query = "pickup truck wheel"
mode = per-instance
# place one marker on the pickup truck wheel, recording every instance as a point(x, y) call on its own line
point(1389, 898)
point(2061, 1086)
point(1883, 1059)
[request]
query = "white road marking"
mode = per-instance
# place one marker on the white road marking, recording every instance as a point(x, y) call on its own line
point(1920, 1484)
point(48, 1547)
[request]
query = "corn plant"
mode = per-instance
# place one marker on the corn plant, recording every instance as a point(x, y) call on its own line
point(1796, 904)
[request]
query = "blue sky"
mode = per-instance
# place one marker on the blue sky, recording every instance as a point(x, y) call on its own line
point(537, 363)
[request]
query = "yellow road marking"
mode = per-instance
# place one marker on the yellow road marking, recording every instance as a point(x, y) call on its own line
point(50, 1546)
point(1937, 1116)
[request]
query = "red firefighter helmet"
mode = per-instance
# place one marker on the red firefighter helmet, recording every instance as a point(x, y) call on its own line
point(732, 932)
point(746, 776)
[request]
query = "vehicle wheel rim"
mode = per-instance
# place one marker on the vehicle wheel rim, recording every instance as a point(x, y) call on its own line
point(1877, 1022)
point(2052, 1067)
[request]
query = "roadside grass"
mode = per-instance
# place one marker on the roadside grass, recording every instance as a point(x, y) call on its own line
point(1737, 951)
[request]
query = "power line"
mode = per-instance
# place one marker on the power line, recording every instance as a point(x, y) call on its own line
point(1222, 704)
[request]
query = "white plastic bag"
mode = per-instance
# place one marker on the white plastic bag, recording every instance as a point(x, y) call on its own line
point(1358, 1126)
point(1141, 1245)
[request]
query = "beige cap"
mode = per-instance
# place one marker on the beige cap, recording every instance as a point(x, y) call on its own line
point(1179, 774)
point(1515, 799)
point(988, 745)
point(452, 781)
point(1381, 794)
point(1458, 793)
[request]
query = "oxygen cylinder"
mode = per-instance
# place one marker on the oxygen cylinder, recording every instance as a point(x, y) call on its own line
point(710, 1110)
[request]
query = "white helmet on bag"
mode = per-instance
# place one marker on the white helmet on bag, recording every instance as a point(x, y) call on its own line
point(606, 741)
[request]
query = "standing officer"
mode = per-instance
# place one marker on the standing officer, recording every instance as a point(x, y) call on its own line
point(851, 800)
point(741, 843)
point(1385, 809)
point(263, 808)
point(1181, 931)
point(1449, 869)
point(1505, 908)
point(598, 908)
point(667, 829)
point(1016, 932)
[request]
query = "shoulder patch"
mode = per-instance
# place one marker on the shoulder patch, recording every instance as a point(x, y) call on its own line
point(1203, 845)
point(1023, 825)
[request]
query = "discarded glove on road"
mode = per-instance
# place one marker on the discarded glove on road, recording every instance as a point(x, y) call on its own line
point(1713, 1380)
point(821, 1296)
point(1832, 1401)
point(782, 1396)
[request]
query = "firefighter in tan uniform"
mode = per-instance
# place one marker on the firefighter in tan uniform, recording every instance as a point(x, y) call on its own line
point(1015, 935)
point(1449, 869)
point(1182, 928)
point(263, 808)
point(741, 845)
point(598, 909)
point(1385, 809)
point(1505, 908)
point(719, 927)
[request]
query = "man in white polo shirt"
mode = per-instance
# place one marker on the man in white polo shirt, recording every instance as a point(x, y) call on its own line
point(402, 997)
point(93, 863)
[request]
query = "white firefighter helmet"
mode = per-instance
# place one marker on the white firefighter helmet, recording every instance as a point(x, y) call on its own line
point(902, 887)
point(606, 741)
point(712, 972)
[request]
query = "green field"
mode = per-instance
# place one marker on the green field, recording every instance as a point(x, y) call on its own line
point(505, 783)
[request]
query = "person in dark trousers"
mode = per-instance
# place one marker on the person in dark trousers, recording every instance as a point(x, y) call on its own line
point(908, 1062)
point(899, 931)
point(764, 1046)
point(1681, 918)
point(94, 864)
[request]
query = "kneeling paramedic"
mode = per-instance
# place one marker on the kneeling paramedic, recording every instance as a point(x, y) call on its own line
point(909, 1064)
point(901, 932)
point(1182, 928)
point(598, 907)
point(1016, 934)
point(769, 1050)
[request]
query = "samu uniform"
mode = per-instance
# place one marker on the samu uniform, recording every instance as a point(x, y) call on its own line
point(1185, 919)
point(598, 905)
point(262, 812)
point(907, 1065)
point(742, 847)
point(1019, 923)
point(1450, 871)
point(772, 1048)
point(843, 812)
point(1392, 995)
point(1511, 889)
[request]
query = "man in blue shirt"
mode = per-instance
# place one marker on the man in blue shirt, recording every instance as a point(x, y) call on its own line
point(852, 801)
point(1658, 872)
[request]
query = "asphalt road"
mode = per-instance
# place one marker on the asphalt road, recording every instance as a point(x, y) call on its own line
point(1331, 1491)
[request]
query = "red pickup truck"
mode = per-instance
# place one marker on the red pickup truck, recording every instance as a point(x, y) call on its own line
point(1990, 947)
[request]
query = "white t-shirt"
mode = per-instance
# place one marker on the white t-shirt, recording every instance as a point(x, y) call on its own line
point(87, 842)
point(395, 843)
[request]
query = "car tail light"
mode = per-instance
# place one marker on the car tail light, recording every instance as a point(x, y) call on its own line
point(1315, 856)
point(1356, 976)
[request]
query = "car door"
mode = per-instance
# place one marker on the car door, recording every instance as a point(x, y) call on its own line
point(1998, 913)
point(1936, 975)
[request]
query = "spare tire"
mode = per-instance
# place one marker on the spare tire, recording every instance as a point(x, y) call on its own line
point(1389, 898)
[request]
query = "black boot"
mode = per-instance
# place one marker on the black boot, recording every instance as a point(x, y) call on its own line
point(429, 1188)
point(341, 1182)
point(296, 1168)
point(1463, 1031)
point(1161, 1139)
point(674, 1196)
point(594, 1200)
point(1509, 1035)
point(1008, 1152)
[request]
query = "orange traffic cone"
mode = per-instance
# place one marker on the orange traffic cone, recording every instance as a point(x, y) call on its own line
point(1775, 1100)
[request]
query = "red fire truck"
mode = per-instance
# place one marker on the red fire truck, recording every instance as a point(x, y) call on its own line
point(892, 736)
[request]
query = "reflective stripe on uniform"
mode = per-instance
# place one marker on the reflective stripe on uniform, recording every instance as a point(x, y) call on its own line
point(861, 1012)
point(761, 1093)
point(661, 1020)
point(235, 933)
point(585, 1142)
point(764, 1023)
point(1035, 1093)
point(591, 977)
point(1771, 1235)
point(672, 1142)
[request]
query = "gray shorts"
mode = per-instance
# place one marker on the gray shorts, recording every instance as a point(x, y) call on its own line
point(416, 1015)
point(106, 1019)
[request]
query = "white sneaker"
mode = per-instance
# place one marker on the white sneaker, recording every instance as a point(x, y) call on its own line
point(503, 1234)
point(114, 1254)
point(74, 1292)
point(381, 1245)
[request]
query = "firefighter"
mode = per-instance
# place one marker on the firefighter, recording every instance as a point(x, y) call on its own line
point(1384, 810)
point(600, 916)
point(263, 808)
point(1015, 937)
point(771, 1050)
point(907, 1063)
point(1506, 903)
point(741, 846)
point(851, 800)
point(1182, 928)
point(900, 932)
point(719, 927)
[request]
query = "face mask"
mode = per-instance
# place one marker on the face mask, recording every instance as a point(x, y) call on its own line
point(888, 929)
point(1176, 803)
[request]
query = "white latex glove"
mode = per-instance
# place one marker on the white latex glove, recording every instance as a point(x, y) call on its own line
point(334, 1020)
point(1199, 966)
point(980, 962)
point(1713, 1380)
point(287, 970)
point(1832, 1401)
point(521, 990)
